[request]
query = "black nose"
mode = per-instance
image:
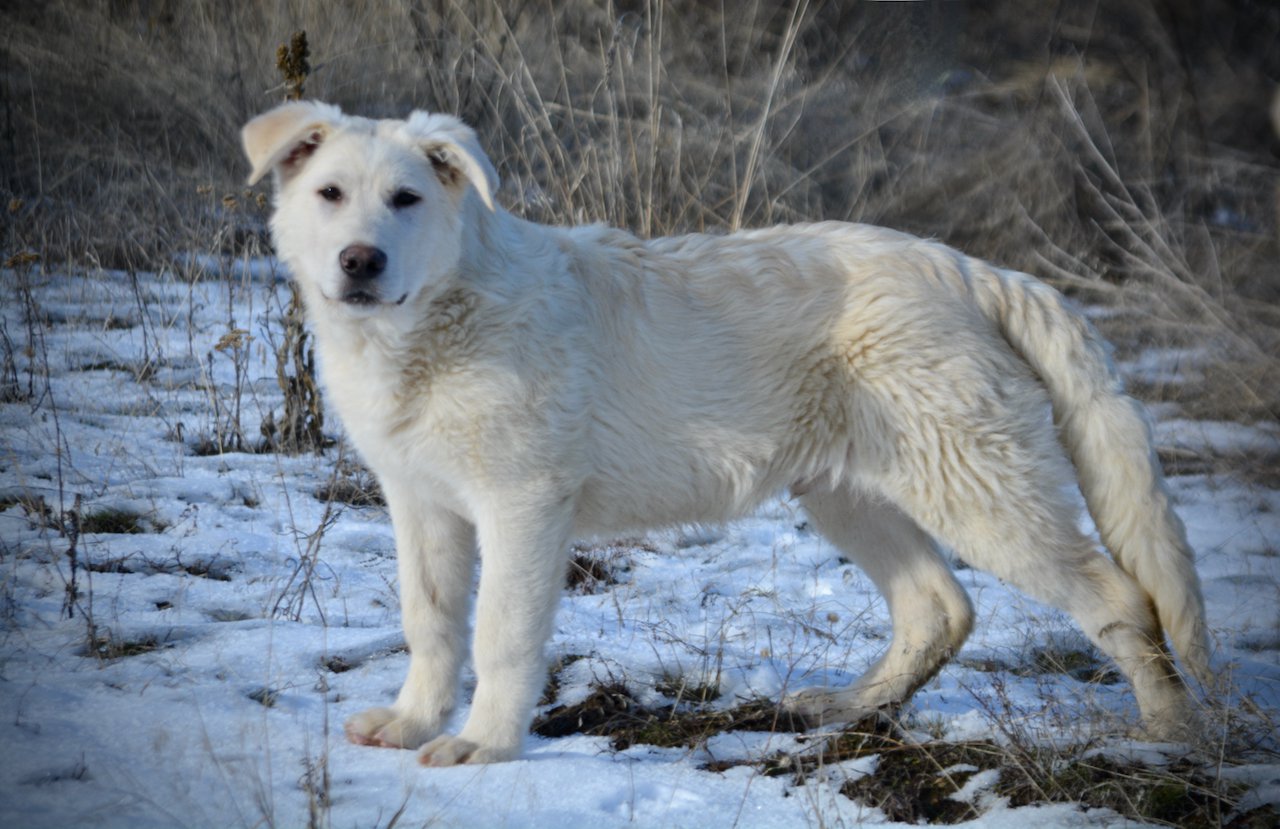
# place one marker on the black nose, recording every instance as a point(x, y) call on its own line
point(362, 261)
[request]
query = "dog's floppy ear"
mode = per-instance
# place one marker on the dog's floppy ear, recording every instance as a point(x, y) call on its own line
point(286, 136)
point(454, 152)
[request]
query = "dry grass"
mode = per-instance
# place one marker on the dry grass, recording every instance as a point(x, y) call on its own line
point(1122, 150)
point(914, 780)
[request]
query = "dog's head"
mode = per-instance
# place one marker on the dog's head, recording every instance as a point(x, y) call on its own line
point(368, 213)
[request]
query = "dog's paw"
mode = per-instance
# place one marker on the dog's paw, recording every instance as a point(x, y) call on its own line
point(385, 728)
point(448, 750)
point(826, 706)
point(811, 702)
point(1189, 731)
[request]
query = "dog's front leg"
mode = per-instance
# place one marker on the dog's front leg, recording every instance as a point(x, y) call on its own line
point(435, 553)
point(522, 571)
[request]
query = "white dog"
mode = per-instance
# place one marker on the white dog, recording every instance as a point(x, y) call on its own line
point(513, 385)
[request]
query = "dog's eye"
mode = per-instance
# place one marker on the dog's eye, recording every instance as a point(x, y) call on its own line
point(331, 193)
point(404, 198)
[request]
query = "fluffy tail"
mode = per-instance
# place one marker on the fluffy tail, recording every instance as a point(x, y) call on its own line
point(1108, 436)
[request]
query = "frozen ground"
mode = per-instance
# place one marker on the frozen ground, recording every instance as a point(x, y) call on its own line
point(191, 662)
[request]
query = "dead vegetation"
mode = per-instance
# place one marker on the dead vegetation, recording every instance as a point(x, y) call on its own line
point(109, 647)
point(1120, 150)
point(611, 711)
point(913, 780)
point(594, 568)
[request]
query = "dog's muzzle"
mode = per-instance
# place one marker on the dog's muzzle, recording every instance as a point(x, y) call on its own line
point(362, 264)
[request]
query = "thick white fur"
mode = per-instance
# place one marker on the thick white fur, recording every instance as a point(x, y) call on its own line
point(515, 385)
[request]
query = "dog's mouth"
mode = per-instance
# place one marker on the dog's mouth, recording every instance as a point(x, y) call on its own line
point(363, 298)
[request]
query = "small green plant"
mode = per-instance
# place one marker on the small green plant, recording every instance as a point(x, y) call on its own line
point(109, 647)
point(112, 520)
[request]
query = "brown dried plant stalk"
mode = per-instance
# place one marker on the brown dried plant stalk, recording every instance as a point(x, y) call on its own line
point(300, 428)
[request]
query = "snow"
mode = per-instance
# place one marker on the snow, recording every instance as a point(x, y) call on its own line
point(232, 713)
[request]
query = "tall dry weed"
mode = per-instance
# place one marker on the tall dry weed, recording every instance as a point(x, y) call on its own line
point(1122, 150)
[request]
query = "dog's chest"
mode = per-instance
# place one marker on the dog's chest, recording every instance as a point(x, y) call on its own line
point(367, 387)
point(399, 423)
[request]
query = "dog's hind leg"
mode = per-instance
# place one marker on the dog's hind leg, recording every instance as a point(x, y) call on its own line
point(435, 552)
point(930, 611)
point(996, 493)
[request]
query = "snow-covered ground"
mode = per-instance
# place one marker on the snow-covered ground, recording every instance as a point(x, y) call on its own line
point(196, 670)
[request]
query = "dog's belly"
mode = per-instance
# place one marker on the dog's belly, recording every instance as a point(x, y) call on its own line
point(603, 510)
point(669, 487)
